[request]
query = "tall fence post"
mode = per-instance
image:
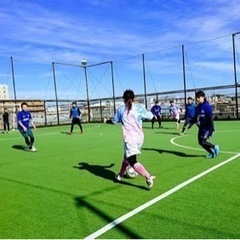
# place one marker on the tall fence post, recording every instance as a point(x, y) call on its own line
point(235, 72)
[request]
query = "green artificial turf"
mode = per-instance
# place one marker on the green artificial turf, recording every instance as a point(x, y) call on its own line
point(66, 188)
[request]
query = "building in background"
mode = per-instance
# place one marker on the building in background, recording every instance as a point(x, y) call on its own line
point(4, 92)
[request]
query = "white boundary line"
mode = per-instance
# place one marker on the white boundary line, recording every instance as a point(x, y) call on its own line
point(157, 199)
point(41, 135)
point(192, 148)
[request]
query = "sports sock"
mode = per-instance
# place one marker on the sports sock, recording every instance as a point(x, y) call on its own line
point(139, 168)
point(125, 163)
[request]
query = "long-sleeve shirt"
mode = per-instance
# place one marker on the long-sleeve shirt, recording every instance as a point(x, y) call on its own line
point(5, 116)
point(204, 116)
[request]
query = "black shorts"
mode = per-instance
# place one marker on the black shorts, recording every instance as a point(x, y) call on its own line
point(76, 121)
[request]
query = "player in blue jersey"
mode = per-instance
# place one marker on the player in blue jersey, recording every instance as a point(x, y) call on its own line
point(156, 111)
point(189, 114)
point(204, 120)
point(175, 110)
point(75, 114)
point(24, 119)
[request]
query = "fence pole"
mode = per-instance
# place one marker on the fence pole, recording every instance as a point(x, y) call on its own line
point(235, 72)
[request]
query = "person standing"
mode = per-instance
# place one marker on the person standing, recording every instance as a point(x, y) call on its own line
point(24, 118)
point(130, 115)
point(204, 120)
point(75, 115)
point(5, 117)
point(156, 111)
point(189, 115)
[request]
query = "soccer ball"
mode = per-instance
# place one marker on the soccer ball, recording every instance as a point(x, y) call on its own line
point(130, 172)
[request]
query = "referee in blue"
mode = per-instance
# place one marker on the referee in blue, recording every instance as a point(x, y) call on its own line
point(75, 115)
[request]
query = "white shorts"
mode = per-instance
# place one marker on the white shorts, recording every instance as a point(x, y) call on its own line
point(131, 149)
point(177, 117)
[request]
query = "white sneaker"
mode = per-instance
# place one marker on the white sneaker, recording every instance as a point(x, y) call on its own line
point(118, 177)
point(150, 181)
point(33, 149)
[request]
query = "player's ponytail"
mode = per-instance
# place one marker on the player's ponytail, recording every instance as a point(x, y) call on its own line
point(128, 97)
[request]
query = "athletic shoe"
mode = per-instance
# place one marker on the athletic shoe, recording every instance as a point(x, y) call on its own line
point(181, 133)
point(33, 149)
point(150, 181)
point(210, 155)
point(118, 177)
point(216, 150)
point(69, 133)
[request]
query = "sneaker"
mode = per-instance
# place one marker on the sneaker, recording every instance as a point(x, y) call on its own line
point(69, 133)
point(210, 155)
point(150, 181)
point(181, 133)
point(216, 150)
point(118, 177)
point(33, 149)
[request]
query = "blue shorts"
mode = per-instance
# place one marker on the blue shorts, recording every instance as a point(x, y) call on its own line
point(205, 133)
point(187, 121)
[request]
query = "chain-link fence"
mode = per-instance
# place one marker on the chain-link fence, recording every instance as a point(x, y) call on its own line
point(48, 112)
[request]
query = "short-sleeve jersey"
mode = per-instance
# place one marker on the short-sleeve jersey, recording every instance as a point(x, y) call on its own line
point(156, 110)
point(24, 117)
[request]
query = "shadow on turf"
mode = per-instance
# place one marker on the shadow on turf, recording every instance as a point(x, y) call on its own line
point(81, 202)
point(180, 154)
point(97, 170)
point(169, 133)
point(104, 172)
point(19, 147)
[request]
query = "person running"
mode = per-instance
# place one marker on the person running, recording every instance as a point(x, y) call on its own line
point(5, 117)
point(130, 115)
point(189, 115)
point(75, 114)
point(204, 120)
point(24, 119)
point(175, 110)
point(156, 111)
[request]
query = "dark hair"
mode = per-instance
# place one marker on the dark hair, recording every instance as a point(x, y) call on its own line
point(74, 102)
point(128, 94)
point(201, 94)
point(189, 98)
point(171, 101)
point(128, 97)
point(156, 102)
point(24, 103)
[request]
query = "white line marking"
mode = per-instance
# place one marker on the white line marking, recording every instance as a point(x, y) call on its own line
point(43, 134)
point(157, 199)
point(192, 148)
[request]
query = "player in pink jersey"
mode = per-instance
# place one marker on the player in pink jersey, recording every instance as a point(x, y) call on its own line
point(130, 115)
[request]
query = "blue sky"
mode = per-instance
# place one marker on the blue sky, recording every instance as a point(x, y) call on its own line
point(38, 32)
